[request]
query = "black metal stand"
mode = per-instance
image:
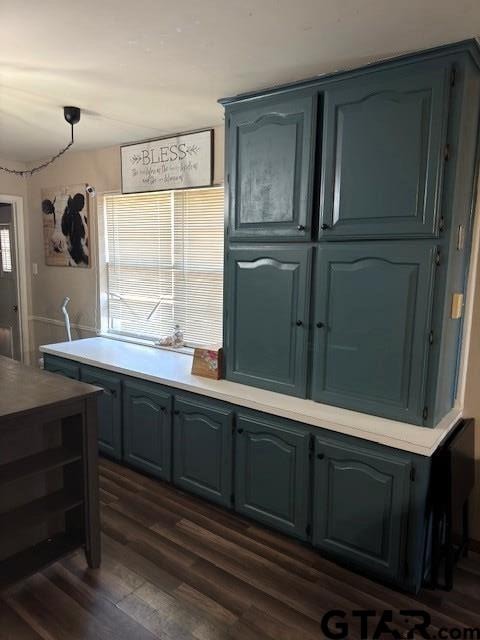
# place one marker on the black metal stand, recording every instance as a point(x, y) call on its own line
point(453, 476)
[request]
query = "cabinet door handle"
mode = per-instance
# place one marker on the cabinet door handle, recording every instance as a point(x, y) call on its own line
point(299, 323)
point(301, 227)
point(176, 412)
point(320, 325)
point(320, 456)
point(240, 430)
point(325, 226)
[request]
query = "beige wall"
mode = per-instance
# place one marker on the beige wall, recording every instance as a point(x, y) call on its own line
point(472, 379)
point(17, 186)
point(101, 169)
point(12, 185)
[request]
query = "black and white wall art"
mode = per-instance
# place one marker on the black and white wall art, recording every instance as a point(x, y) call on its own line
point(66, 226)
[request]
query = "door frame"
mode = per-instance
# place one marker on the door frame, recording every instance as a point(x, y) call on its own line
point(18, 211)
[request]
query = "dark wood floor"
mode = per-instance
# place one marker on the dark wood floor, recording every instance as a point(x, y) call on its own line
point(177, 568)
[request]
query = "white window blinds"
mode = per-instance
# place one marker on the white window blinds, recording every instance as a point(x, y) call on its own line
point(165, 264)
point(5, 249)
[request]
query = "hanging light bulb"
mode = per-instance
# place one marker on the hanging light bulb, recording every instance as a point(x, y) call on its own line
point(72, 116)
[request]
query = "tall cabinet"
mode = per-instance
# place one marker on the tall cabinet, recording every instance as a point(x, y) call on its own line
point(348, 234)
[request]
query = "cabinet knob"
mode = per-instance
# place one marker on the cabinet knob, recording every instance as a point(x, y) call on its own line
point(176, 412)
point(320, 325)
point(301, 227)
point(240, 430)
point(320, 456)
point(299, 323)
point(324, 227)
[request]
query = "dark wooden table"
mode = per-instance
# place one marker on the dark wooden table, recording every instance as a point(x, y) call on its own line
point(48, 470)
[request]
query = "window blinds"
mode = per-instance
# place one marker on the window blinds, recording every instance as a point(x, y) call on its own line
point(165, 264)
point(5, 249)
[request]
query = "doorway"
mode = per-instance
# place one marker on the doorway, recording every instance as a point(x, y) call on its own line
point(10, 336)
point(14, 335)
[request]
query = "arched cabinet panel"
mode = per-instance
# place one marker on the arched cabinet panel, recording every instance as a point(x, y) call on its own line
point(109, 409)
point(371, 327)
point(147, 428)
point(202, 448)
point(63, 367)
point(271, 148)
point(267, 309)
point(271, 473)
point(383, 153)
point(361, 502)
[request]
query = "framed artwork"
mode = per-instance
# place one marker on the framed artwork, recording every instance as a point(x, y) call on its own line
point(66, 226)
point(184, 161)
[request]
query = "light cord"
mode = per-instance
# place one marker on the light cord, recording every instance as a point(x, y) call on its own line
point(30, 172)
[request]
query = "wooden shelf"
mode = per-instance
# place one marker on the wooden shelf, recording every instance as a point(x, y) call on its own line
point(38, 463)
point(27, 562)
point(37, 511)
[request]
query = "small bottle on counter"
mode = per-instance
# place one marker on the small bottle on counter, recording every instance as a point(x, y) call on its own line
point(177, 337)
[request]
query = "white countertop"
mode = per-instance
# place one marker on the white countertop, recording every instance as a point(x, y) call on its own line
point(173, 369)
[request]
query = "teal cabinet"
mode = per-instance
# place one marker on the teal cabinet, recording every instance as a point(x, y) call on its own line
point(270, 166)
point(372, 327)
point(202, 448)
point(384, 135)
point(360, 506)
point(364, 504)
point(267, 309)
point(67, 368)
point(109, 409)
point(147, 427)
point(272, 472)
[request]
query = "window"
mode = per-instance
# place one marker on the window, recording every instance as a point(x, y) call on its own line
point(164, 254)
point(5, 249)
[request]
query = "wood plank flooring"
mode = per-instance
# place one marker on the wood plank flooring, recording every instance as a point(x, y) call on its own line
point(177, 568)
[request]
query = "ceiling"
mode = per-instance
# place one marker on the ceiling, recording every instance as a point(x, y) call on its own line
point(143, 68)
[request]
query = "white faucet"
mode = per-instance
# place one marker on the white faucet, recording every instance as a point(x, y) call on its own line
point(67, 319)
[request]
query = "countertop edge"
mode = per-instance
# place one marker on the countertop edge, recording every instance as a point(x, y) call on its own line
point(427, 449)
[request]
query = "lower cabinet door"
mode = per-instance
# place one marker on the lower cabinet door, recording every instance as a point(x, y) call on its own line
point(65, 368)
point(272, 473)
point(147, 428)
point(360, 507)
point(109, 409)
point(202, 449)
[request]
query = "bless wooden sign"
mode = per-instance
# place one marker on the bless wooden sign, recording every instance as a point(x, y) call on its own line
point(180, 162)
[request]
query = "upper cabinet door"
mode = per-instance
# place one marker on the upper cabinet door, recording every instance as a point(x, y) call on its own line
point(267, 317)
point(383, 153)
point(372, 324)
point(271, 153)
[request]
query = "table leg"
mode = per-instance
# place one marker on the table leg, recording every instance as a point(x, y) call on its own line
point(92, 507)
